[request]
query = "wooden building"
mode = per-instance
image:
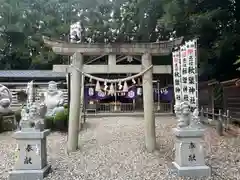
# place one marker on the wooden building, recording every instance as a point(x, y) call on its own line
point(16, 80)
point(231, 96)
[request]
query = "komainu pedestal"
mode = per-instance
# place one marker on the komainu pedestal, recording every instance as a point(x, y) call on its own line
point(189, 153)
point(31, 156)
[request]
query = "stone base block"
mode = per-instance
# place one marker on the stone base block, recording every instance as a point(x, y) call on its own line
point(192, 171)
point(188, 132)
point(29, 174)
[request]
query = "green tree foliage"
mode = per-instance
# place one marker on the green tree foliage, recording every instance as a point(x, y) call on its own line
point(215, 22)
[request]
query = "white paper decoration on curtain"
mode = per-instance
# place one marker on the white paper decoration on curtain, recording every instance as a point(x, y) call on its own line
point(120, 86)
point(125, 87)
point(105, 86)
point(90, 91)
point(133, 81)
point(98, 87)
point(111, 90)
point(139, 91)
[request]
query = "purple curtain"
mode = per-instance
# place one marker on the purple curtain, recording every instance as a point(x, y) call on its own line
point(101, 95)
point(132, 93)
point(90, 94)
point(166, 95)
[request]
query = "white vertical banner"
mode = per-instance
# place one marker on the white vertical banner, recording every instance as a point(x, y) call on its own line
point(184, 73)
point(191, 53)
point(196, 71)
point(177, 75)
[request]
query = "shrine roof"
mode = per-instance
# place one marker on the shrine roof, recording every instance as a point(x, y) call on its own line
point(155, 48)
point(31, 74)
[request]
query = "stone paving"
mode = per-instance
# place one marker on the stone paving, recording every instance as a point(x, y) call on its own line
point(112, 148)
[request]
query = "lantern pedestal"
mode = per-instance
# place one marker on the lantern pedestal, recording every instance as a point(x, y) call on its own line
point(189, 156)
point(31, 162)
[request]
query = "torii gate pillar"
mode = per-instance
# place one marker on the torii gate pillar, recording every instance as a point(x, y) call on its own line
point(149, 116)
point(73, 124)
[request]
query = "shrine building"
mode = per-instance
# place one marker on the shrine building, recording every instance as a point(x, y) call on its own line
point(117, 66)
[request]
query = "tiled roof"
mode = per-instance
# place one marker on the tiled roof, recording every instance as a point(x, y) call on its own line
point(31, 74)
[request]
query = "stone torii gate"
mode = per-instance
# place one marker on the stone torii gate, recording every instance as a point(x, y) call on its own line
point(77, 51)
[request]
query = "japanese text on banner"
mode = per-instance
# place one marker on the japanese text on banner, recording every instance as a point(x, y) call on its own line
point(184, 73)
point(177, 75)
point(192, 73)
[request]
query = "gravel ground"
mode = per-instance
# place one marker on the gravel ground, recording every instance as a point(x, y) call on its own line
point(113, 149)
